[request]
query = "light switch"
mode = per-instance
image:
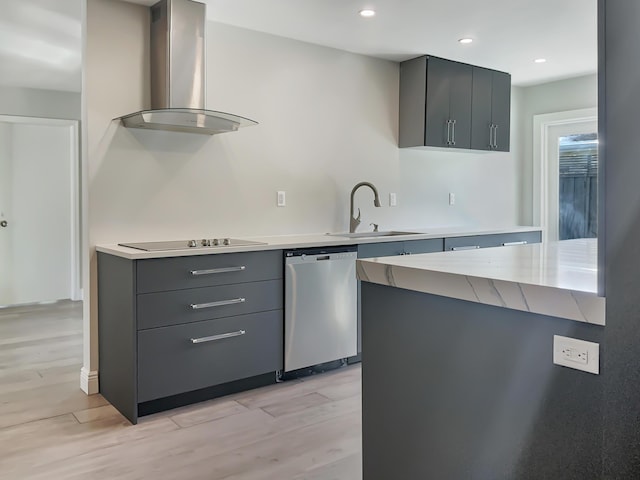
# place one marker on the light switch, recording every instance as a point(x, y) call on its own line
point(282, 199)
point(393, 200)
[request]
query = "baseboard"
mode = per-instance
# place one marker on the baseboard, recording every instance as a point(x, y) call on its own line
point(89, 381)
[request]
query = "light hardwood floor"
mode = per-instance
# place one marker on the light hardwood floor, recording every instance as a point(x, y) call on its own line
point(303, 429)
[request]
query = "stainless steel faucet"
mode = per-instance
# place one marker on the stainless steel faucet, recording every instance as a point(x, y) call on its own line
point(355, 221)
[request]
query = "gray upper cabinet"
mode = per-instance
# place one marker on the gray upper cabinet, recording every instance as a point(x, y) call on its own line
point(435, 103)
point(491, 110)
point(453, 105)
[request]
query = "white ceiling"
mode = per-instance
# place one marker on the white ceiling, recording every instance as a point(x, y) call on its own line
point(40, 44)
point(509, 34)
point(40, 40)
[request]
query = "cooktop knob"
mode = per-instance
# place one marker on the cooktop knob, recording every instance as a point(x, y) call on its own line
point(215, 242)
point(205, 242)
point(226, 241)
point(192, 243)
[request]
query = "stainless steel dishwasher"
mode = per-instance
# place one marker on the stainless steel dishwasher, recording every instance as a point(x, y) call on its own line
point(321, 311)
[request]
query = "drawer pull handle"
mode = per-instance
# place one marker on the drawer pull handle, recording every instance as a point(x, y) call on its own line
point(222, 336)
point(218, 270)
point(508, 244)
point(469, 247)
point(198, 306)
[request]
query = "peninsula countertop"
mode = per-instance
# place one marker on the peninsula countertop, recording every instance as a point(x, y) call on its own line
point(557, 278)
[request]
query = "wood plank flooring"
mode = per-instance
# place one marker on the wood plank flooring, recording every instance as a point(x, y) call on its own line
point(306, 429)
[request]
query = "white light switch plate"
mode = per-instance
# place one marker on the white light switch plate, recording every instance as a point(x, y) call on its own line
point(578, 354)
point(282, 198)
point(393, 200)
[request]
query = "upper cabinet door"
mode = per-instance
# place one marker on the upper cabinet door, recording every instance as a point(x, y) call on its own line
point(501, 110)
point(491, 110)
point(437, 114)
point(460, 90)
point(481, 123)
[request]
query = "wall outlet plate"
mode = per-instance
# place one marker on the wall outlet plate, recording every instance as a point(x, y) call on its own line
point(282, 198)
point(578, 354)
point(393, 200)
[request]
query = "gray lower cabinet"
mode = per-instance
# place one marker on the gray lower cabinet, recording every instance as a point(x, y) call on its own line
point(177, 330)
point(497, 240)
point(182, 358)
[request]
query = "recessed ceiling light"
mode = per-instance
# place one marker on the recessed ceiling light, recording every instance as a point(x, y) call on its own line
point(465, 40)
point(540, 60)
point(367, 12)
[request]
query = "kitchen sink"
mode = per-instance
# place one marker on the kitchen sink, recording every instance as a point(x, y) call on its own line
point(389, 233)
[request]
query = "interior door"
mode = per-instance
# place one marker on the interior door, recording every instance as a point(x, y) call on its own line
point(36, 181)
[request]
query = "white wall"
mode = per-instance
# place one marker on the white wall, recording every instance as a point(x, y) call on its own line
point(328, 119)
point(571, 94)
point(32, 102)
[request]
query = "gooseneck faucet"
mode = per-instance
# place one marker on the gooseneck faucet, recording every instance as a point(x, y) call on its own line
point(355, 221)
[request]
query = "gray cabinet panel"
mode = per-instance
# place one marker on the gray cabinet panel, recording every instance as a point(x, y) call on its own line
point(481, 122)
point(501, 110)
point(173, 308)
point(437, 111)
point(497, 240)
point(413, 88)
point(461, 82)
point(169, 363)
point(423, 246)
point(117, 333)
point(387, 249)
point(161, 274)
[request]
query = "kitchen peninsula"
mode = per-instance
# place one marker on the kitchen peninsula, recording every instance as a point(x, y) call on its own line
point(458, 373)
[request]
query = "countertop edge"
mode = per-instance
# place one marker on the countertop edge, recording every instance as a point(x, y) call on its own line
point(528, 296)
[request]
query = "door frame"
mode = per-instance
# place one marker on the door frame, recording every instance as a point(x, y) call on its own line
point(74, 160)
point(542, 125)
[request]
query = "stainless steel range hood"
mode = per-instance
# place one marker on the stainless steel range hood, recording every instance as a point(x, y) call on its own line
point(178, 74)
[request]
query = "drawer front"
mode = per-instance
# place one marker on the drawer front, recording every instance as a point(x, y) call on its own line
point(383, 249)
point(169, 363)
point(498, 240)
point(423, 246)
point(196, 304)
point(162, 274)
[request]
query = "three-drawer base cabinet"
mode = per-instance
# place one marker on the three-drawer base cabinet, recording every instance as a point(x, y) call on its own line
point(177, 330)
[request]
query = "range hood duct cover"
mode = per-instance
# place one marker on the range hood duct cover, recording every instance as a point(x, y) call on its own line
point(178, 74)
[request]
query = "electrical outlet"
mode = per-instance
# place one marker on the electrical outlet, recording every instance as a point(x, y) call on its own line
point(452, 198)
point(282, 199)
point(578, 354)
point(393, 200)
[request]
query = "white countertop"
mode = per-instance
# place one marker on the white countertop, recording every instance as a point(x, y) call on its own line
point(306, 241)
point(557, 279)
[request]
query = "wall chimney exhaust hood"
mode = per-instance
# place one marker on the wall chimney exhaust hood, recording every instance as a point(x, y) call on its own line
point(178, 74)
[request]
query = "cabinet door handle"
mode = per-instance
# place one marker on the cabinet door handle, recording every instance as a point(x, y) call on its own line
point(491, 136)
point(508, 244)
point(222, 336)
point(448, 132)
point(453, 132)
point(467, 247)
point(495, 136)
point(218, 270)
point(221, 303)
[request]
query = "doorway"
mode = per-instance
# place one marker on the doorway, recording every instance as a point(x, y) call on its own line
point(39, 210)
point(564, 174)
